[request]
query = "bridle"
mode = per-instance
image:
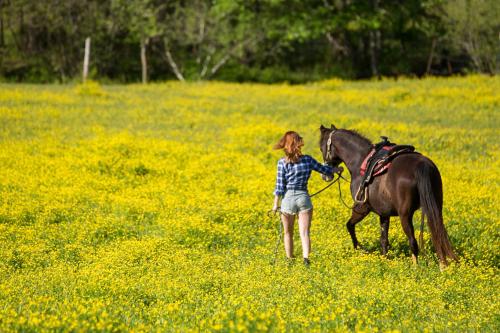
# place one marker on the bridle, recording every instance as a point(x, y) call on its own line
point(328, 159)
point(329, 147)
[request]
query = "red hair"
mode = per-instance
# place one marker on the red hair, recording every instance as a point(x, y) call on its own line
point(291, 143)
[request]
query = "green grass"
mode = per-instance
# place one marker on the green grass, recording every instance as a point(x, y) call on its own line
point(144, 207)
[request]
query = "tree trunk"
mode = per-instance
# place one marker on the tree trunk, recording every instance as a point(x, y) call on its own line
point(221, 63)
point(205, 66)
point(374, 44)
point(228, 55)
point(431, 56)
point(22, 36)
point(172, 63)
point(2, 39)
point(144, 63)
point(373, 54)
point(337, 47)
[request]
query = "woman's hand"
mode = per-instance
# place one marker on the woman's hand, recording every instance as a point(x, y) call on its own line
point(276, 204)
point(275, 209)
point(327, 178)
point(338, 170)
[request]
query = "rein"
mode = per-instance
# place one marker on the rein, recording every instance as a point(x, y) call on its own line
point(279, 234)
point(328, 157)
point(270, 214)
point(327, 186)
point(340, 195)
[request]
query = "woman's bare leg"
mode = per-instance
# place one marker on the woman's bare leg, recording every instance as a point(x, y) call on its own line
point(288, 233)
point(304, 228)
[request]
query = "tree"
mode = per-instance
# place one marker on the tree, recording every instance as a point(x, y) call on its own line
point(200, 36)
point(140, 18)
point(263, 40)
point(473, 27)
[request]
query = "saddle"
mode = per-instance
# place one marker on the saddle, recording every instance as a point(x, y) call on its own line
point(377, 162)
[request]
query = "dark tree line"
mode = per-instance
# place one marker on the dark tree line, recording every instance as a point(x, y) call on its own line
point(247, 40)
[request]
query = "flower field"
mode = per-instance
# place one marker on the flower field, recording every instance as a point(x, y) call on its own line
point(144, 208)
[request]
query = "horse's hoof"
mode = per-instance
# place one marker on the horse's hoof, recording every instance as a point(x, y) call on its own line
point(414, 260)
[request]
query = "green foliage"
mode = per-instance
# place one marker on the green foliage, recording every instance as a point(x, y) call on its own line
point(473, 27)
point(42, 41)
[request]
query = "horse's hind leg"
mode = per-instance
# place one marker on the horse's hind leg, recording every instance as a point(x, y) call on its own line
point(358, 213)
point(407, 224)
point(384, 233)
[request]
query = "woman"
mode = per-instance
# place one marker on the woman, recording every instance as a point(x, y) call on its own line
point(294, 171)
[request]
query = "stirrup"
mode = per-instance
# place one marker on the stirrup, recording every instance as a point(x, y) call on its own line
point(365, 194)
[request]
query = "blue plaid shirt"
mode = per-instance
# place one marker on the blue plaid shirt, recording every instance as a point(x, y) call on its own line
point(294, 176)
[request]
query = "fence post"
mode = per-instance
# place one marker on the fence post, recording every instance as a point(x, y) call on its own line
point(144, 63)
point(86, 59)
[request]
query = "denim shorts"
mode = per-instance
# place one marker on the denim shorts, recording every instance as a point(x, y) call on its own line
point(296, 201)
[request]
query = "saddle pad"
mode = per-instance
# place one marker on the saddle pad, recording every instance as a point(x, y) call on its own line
point(377, 162)
point(378, 169)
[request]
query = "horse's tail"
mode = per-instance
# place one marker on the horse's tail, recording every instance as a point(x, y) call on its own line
point(430, 189)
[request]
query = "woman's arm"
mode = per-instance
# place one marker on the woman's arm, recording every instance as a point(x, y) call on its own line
point(279, 190)
point(324, 168)
point(276, 203)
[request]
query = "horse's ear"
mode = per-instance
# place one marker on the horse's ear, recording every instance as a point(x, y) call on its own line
point(333, 127)
point(322, 128)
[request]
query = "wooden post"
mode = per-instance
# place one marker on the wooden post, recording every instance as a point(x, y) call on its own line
point(144, 63)
point(86, 59)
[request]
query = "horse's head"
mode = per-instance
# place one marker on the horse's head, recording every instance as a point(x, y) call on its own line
point(326, 144)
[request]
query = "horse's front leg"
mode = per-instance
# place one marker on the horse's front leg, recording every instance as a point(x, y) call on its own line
point(358, 213)
point(384, 233)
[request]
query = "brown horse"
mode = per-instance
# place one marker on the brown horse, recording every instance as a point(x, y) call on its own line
point(412, 181)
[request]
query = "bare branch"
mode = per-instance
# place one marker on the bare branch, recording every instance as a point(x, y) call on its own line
point(220, 63)
point(337, 47)
point(205, 65)
point(229, 54)
point(172, 63)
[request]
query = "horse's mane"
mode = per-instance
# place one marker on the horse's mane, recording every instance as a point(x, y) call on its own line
point(361, 138)
point(358, 135)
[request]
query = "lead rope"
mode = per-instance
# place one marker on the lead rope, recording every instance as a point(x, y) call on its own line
point(278, 213)
point(340, 195)
point(279, 234)
point(327, 186)
point(353, 207)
